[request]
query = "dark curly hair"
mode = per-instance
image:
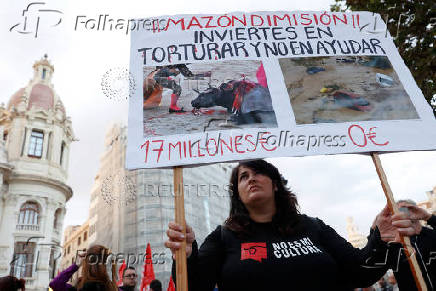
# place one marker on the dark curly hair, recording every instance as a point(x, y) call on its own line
point(286, 218)
point(11, 283)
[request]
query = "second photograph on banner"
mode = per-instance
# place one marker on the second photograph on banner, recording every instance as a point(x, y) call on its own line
point(189, 98)
point(345, 88)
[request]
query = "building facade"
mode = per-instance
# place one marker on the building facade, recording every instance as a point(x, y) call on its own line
point(354, 237)
point(430, 203)
point(34, 151)
point(136, 206)
point(75, 242)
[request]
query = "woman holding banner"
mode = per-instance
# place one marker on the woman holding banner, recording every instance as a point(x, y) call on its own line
point(266, 244)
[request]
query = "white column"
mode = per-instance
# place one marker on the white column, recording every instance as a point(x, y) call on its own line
point(44, 146)
point(26, 144)
point(42, 266)
point(7, 227)
point(1, 198)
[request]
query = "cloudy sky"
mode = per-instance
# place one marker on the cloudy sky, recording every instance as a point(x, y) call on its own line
point(330, 187)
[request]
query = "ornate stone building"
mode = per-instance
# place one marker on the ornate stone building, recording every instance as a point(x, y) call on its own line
point(354, 237)
point(34, 151)
point(430, 204)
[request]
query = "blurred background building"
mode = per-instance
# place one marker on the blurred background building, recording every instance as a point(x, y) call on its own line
point(129, 209)
point(75, 241)
point(430, 203)
point(354, 237)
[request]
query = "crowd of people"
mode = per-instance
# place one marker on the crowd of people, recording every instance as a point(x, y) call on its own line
point(267, 244)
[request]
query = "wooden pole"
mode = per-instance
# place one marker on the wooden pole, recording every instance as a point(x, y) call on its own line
point(408, 249)
point(179, 207)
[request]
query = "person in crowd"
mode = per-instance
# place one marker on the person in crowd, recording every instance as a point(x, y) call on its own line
point(392, 282)
point(155, 285)
point(423, 242)
point(266, 244)
point(94, 274)
point(12, 283)
point(129, 279)
point(382, 285)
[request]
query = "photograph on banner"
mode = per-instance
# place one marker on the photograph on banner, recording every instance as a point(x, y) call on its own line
point(189, 98)
point(345, 88)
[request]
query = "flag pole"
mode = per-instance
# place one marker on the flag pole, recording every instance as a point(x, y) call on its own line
point(179, 207)
point(408, 249)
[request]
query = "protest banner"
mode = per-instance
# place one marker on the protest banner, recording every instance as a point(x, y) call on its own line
point(238, 86)
point(270, 84)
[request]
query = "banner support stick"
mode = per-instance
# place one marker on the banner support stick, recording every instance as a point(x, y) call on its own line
point(408, 249)
point(179, 208)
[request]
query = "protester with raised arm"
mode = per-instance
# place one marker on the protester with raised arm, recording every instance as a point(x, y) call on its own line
point(266, 244)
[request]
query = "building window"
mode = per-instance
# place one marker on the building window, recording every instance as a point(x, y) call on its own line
point(57, 217)
point(28, 219)
point(44, 72)
point(35, 145)
point(79, 241)
point(68, 250)
point(61, 161)
point(23, 259)
point(85, 236)
point(91, 229)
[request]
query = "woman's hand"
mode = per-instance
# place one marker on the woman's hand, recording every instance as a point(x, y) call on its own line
point(80, 256)
point(392, 226)
point(175, 237)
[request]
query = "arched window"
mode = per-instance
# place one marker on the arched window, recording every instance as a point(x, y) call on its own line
point(29, 215)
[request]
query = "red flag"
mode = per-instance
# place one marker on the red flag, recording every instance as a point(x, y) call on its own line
point(148, 273)
point(171, 286)
point(120, 273)
point(254, 251)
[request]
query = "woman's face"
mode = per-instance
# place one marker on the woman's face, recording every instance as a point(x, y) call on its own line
point(255, 189)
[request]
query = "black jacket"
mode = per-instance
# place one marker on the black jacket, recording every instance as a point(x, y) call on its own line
point(315, 258)
point(425, 246)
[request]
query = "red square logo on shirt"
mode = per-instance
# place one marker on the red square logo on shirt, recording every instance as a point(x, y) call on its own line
point(254, 251)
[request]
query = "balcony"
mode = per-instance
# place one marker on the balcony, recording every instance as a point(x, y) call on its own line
point(28, 227)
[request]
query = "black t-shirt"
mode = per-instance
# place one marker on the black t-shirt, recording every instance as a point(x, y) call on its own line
point(315, 258)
